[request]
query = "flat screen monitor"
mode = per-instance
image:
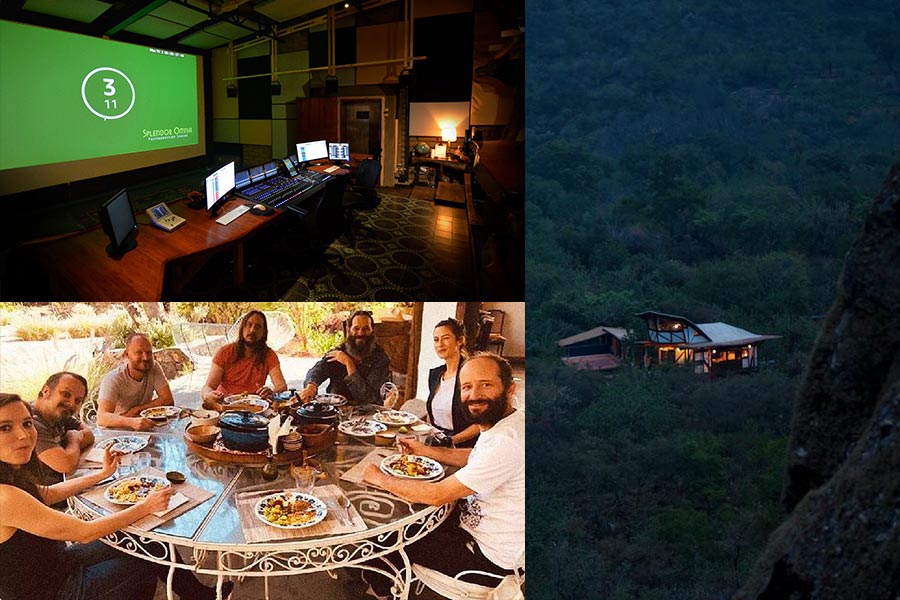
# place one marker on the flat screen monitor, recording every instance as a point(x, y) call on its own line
point(339, 151)
point(119, 224)
point(241, 179)
point(218, 184)
point(310, 151)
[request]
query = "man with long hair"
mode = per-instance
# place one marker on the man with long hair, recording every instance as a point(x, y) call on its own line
point(129, 388)
point(357, 368)
point(243, 365)
point(61, 438)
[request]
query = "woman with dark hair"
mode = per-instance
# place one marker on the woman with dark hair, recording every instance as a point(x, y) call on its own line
point(35, 562)
point(445, 409)
point(243, 365)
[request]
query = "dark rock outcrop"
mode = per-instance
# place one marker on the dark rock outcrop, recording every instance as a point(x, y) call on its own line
point(842, 539)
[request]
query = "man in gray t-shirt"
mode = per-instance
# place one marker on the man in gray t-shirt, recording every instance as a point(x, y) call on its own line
point(60, 437)
point(128, 389)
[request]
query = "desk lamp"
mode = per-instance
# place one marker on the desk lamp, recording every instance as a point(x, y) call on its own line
point(448, 134)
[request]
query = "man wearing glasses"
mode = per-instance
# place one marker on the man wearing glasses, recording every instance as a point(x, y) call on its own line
point(357, 368)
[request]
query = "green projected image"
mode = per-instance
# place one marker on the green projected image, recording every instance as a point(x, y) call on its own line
point(71, 97)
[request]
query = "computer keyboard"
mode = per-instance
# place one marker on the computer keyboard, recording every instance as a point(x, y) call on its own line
point(332, 169)
point(232, 214)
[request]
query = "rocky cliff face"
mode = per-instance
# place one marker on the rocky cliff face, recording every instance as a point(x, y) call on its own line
point(842, 538)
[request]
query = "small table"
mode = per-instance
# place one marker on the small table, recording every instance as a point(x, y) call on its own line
point(213, 531)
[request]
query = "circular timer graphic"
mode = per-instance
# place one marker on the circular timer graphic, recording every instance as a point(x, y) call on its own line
point(108, 93)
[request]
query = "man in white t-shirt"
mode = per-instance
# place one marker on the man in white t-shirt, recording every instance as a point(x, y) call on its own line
point(128, 389)
point(490, 532)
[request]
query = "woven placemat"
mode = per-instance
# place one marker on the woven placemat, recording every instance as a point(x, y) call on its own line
point(256, 531)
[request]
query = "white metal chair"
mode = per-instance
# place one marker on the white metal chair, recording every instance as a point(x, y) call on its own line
point(200, 342)
point(510, 587)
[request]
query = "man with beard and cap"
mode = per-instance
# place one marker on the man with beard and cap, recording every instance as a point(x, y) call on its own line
point(490, 532)
point(128, 389)
point(243, 365)
point(357, 368)
point(61, 438)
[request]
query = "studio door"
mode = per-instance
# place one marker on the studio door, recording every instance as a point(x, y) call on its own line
point(361, 125)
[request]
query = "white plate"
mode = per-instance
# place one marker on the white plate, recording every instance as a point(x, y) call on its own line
point(434, 468)
point(361, 427)
point(124, 444)
point(317, 508)
point(247, 400)
point(137, 489)
point(161, 412)
point(395, 417)
point(333, 399)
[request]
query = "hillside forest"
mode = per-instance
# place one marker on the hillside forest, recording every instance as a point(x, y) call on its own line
point(714, 160)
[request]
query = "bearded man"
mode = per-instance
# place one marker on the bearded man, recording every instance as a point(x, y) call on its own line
point(489, 533)
point(61, 438)
point(357, 368)
point(129, 388)
point(243, 365)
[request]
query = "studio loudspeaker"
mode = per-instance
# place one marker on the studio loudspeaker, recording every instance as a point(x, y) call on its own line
point(276, 88)
point(231, 90)
point(331, 85)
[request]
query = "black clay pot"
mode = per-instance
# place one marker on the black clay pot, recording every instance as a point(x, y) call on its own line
point(314, 413)
point(244, 431)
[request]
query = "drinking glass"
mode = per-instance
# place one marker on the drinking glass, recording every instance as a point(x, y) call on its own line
point(304, 477)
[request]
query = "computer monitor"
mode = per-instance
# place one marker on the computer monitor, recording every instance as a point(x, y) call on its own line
point(339, 151)
point(119, 224)
point(310, 151)
point(217, 185)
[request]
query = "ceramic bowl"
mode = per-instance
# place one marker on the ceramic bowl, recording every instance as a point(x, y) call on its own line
point(203, 434)
point(204, 417)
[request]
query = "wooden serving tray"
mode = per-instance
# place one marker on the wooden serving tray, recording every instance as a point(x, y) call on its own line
point(258, 458)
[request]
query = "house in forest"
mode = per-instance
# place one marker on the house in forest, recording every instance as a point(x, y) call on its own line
point(712, 348)
point(597, 349)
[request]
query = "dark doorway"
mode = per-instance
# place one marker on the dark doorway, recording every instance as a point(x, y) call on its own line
point(361, 125)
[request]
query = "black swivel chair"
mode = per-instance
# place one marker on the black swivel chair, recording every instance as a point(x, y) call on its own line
point(362, 194)
point(322, 227)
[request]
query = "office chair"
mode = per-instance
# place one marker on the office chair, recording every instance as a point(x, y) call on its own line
point(322, 227)
point(362, 194)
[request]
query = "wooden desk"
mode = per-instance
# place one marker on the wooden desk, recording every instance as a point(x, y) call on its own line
point(451, 193)
point(80, 269)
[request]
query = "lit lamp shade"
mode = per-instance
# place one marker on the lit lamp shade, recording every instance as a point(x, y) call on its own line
point(448, 134)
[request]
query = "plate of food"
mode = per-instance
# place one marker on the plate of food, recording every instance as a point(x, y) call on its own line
point(333, 399)
point(248, 402)
point(361, 427)
point(411, 466)
point(395, 417)
point(124, 444)
point(134, 489)
point(161, 413)
point(290, 510)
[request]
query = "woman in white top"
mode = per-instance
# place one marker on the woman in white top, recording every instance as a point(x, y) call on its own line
point(445, 409)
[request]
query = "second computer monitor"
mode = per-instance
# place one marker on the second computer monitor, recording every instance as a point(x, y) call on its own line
point(218, 184)
point(339, 151)
point(310, 151)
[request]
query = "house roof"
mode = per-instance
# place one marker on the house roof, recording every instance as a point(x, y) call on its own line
point(593, 362)
point(720, 334)
point(723, 334)
point(616, 332)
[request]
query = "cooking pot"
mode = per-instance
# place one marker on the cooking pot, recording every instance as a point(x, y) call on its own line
point(244, 431)
point(317, 413)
